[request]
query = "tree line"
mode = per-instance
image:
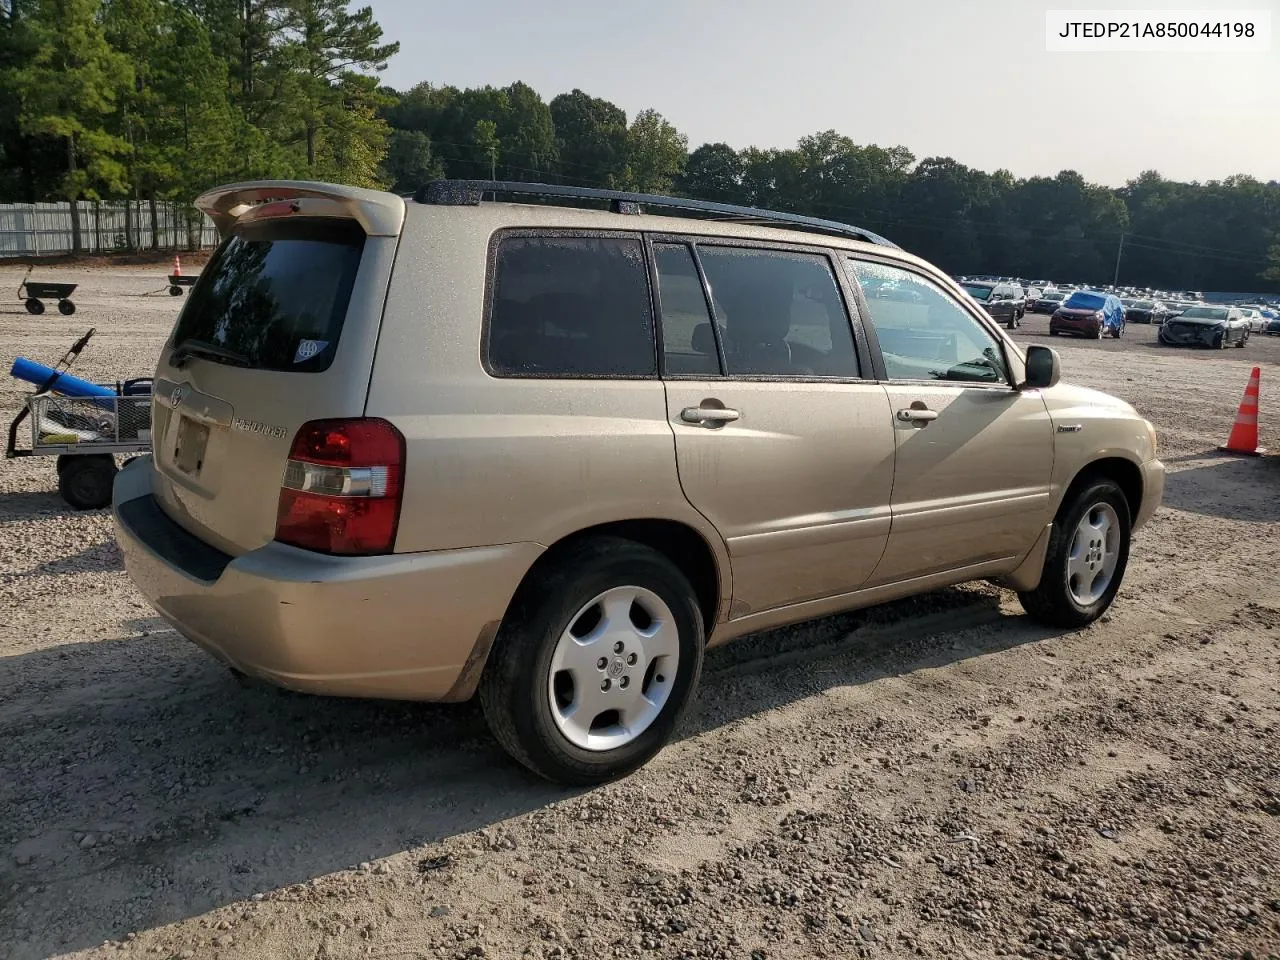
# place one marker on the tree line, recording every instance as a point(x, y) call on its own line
point(160, 99)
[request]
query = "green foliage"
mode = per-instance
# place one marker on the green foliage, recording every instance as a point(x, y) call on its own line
point(410, 162)
point(591, 136)
point(333, 110)
point(1273, 272)
point(165, 98)
point(65, 86)
point(714, 172)
point(656, 153)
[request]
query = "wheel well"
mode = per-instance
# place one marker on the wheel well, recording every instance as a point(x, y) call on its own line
point(680, 544)
point(1124, 472)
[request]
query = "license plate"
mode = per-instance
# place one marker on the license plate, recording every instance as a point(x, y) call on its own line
point(188, 452)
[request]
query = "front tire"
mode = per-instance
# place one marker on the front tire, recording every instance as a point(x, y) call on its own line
point(1086, 559)
point(545, 694)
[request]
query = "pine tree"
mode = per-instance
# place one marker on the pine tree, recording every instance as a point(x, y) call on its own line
point(67, 90)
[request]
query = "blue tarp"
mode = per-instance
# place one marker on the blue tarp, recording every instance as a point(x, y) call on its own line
point(1111, 307)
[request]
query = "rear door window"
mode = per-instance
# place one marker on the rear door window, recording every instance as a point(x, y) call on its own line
point(571, 306)
point(780, 313)
point(275, 295)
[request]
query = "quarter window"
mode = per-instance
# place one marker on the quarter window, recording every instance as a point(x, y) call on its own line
point(780, 314)
point(571, 307)
point(924, 333)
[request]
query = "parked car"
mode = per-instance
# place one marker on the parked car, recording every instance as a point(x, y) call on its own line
point(1272, 328)
point(1048, 302)
point(550, 454)
point(1177, 307)
point(1253, 316)
point(1206, 326)
point(1087, 313)
point(1146, 311)
point(1004, 301)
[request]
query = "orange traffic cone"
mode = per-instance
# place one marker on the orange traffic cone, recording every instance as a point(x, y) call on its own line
point(1244, 433)
point(177, 266)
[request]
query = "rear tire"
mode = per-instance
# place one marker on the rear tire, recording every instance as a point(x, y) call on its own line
point(527, 705)
point(175, 290)
point(66, 307)
point(34, 306)
point(85, 480)
point(1054, 602)
point(1244, 338)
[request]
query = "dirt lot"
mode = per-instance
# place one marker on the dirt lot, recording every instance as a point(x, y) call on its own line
point(937, 777)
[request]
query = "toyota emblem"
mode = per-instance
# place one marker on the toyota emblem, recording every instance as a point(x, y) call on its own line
point(175, 398)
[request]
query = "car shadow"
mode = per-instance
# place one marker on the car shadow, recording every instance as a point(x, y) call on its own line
point(144, 785)
point(96, 558)
point(1225, 485)
point(33, 504)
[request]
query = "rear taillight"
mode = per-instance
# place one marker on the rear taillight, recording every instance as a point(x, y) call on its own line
point(342, 487)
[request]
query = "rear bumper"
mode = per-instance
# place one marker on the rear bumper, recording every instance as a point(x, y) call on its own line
point(406, 626)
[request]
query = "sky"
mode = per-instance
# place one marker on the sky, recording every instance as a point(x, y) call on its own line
point(969, 79)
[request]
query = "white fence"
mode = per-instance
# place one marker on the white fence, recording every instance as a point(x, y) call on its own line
point(41, 229)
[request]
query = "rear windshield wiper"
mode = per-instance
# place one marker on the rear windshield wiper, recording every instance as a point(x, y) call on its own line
point(183, 353)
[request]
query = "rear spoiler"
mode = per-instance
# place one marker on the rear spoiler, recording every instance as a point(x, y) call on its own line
point(381, 214)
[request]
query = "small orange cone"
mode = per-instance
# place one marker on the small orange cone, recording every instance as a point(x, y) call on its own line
point(1244, 433)
point(177, 266)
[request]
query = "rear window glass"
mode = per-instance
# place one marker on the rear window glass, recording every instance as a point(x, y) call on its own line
point(276, 294)
point(571, 307)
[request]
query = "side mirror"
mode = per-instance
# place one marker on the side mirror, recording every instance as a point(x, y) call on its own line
point(1044, 369)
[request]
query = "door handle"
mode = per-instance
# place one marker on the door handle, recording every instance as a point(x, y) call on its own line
point(912, 415)
point(709, 416)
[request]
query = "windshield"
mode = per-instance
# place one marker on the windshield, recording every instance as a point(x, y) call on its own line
point(1055, 295)
point(1206, 313)
point(977, 292)
point(1144, 304)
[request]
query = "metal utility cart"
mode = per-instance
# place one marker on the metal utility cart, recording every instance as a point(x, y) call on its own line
point(34, 292)
point(85, 434)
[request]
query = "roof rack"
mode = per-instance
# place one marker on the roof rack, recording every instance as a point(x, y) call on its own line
point(470, 192)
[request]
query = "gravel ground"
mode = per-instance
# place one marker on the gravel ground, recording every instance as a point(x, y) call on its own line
point(936, 777)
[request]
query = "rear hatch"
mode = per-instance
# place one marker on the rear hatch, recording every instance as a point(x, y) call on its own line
point(280, 329)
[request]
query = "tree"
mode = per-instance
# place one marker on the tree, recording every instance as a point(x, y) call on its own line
point(656, 153)
point(324, 43)
point(527, 134)
point(67, 90)
point(591, 136)
point(714, 172)
point(1273, 272)
point(410, 162)
point(485, 138)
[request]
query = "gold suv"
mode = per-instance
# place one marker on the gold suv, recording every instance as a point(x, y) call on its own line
point(551, 451)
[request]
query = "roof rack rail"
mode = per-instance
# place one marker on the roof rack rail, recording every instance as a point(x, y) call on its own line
point(471, 192)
